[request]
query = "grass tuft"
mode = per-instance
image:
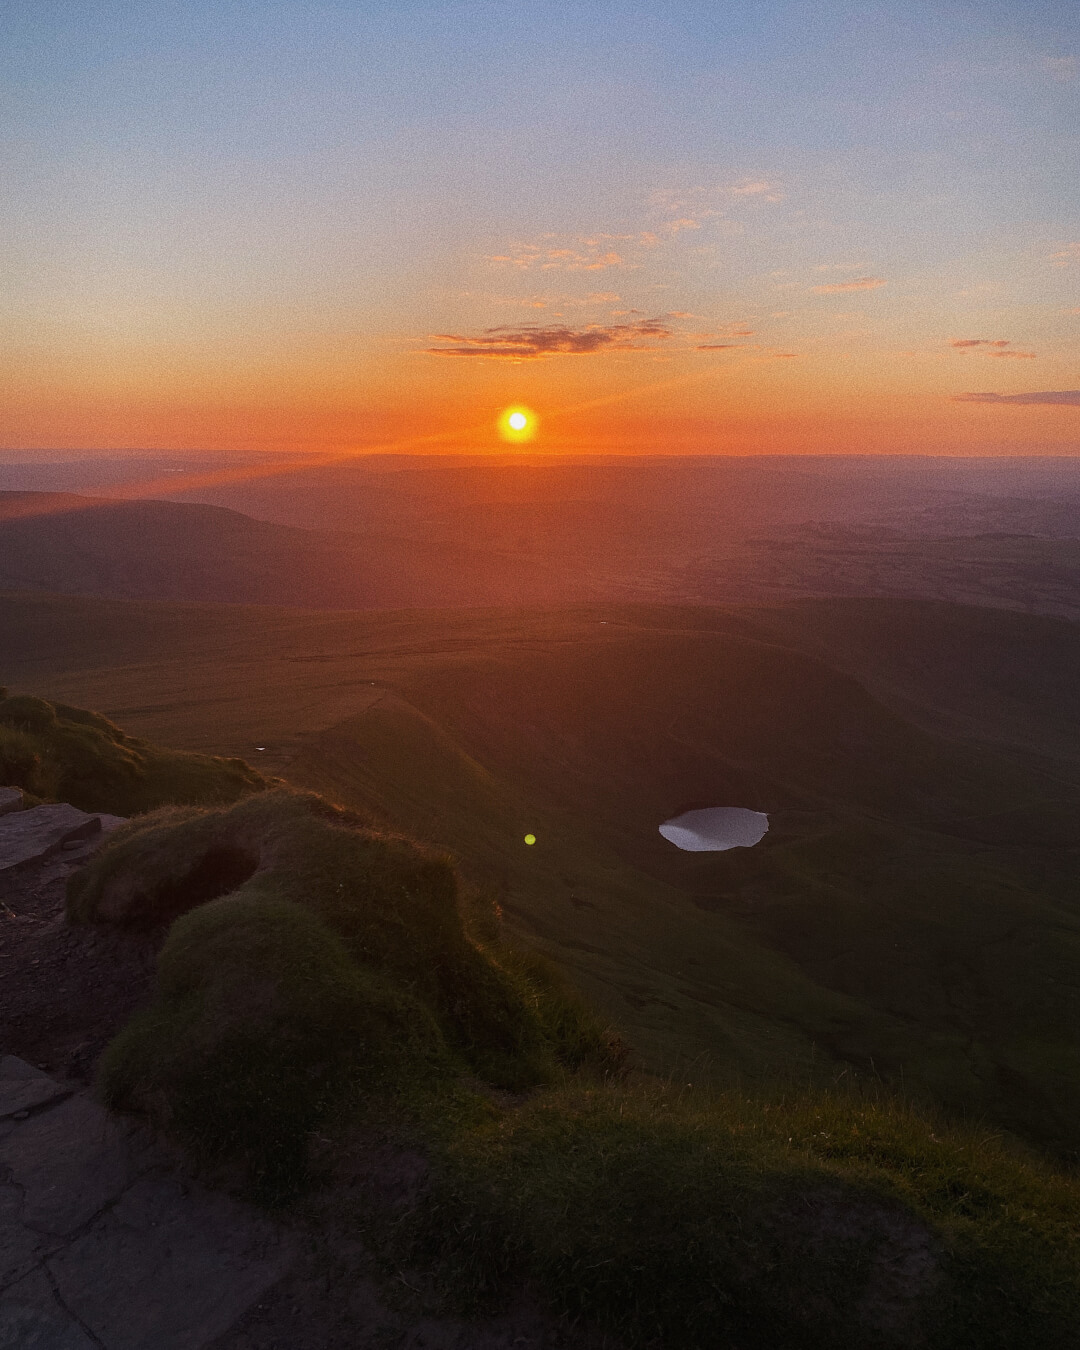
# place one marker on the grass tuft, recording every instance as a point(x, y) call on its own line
point(59, 753)
point(693, 1221)
point(261, 1027)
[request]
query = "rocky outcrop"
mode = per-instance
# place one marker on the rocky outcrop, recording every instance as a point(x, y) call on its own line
point(28, 837)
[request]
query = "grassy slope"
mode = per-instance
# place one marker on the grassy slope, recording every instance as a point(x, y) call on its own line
point(894, 918)
point(874, 925)
point(989, 675)
point(339, 990)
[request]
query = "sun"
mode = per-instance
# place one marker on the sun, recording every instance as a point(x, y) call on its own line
point(517, 424)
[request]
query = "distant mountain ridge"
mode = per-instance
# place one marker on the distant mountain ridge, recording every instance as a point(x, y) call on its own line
point(499, 546)
point(69, 544)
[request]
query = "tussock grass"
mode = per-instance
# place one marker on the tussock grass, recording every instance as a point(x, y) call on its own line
point(59, 753)
point(338, 986)
point(313, 956)
point(692, 1220)
point(261, 1027)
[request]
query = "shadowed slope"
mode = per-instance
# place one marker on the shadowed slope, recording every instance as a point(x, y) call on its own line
point(911, 911)
point(67, 754)
point(899, 878)
point(179, 551)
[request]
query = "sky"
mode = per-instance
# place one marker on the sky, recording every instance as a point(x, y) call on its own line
point(667, 228)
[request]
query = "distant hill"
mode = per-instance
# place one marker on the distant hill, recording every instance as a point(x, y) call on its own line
point(64, 543)
point(360, 537)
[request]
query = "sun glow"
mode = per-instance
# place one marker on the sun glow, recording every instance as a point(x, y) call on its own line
point(517, 424)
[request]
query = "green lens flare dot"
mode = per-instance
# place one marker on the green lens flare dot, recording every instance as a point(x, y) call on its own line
point(530, 838)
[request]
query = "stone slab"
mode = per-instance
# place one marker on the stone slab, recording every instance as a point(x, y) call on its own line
point(20, 1248)
point(71, 1161)
point(169, 1267)
point(22, 1087)
point(28, 836)
point(32, 1318)
point(11, 799)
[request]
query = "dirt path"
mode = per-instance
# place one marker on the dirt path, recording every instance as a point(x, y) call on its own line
point(64, 991)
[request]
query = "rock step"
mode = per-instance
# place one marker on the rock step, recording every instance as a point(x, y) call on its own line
point(27, 837)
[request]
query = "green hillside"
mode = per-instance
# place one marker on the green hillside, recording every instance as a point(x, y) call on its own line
point(324, 982)
point(831, 1035)
point(911, 914)
point(986, 674)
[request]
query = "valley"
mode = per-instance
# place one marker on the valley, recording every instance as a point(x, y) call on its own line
point(390, 532)
point(910, 915)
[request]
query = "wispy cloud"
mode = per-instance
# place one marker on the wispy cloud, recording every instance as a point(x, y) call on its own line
point(1068, 397)
point(671, 212)
point(534, 342)
point(558, 302)
point(689, 207)
point(990, 347)
point(1069, 254)
point(764, 188)
point(715, 346)
point(732, 330)
point(859, 284)
point(552, 254)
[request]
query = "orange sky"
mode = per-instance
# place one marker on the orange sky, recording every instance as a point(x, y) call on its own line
point(760, 231)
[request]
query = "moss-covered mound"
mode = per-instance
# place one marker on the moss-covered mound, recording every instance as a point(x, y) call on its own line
point(694, 1221)
point(59, 753)
point(313, 959)
point(261, 1026)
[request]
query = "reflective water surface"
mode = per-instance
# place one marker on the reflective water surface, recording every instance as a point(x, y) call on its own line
point(716, 828)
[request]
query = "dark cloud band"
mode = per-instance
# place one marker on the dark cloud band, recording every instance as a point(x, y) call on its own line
point(535, 341)
point(1068, 397)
